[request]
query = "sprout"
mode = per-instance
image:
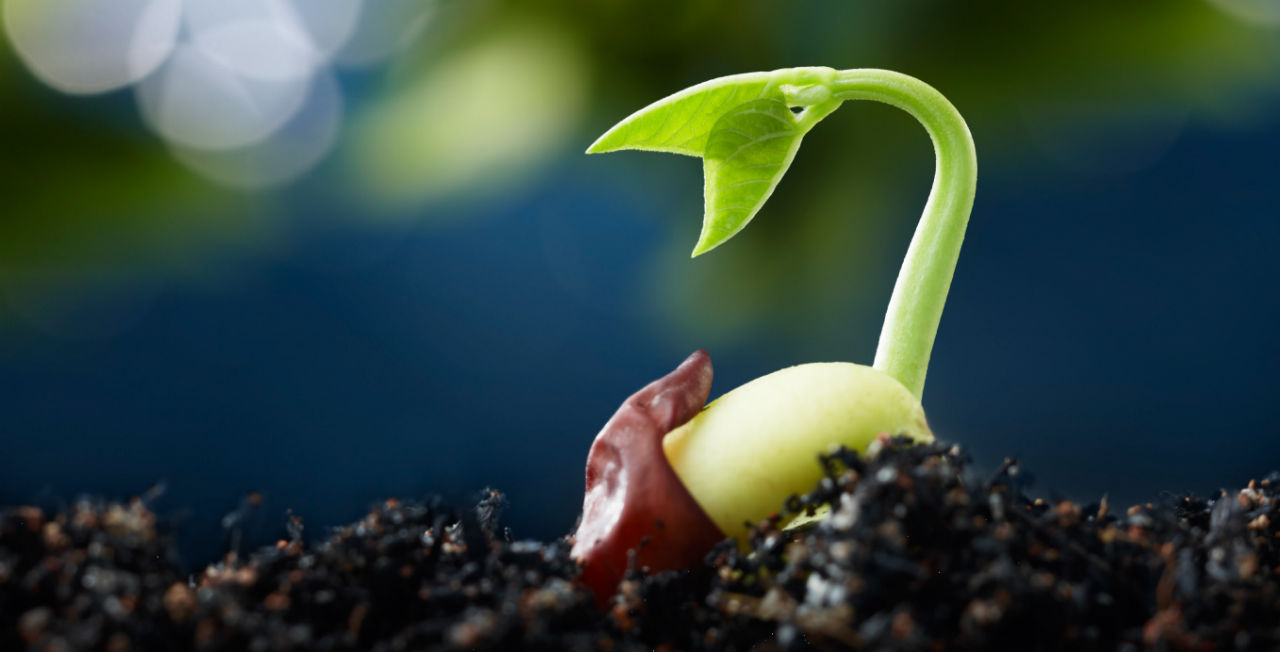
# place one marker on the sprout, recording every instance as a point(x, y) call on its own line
point(736, 461)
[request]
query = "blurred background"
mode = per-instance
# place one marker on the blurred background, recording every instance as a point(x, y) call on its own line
point(340, 250)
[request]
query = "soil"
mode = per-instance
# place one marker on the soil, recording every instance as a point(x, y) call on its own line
point(919, 553)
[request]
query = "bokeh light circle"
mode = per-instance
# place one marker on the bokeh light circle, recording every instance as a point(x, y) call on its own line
point(385, 27)
point(92, 46)
point(286, 154)
point(318, 27)
point(326, 25)
point(256, 49)
point(198, 100)
point(241, 91)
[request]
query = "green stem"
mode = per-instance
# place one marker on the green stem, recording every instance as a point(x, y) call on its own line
point(911, 322)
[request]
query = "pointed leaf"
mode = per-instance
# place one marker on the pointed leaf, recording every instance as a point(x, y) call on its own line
point(681, 123)
point(747, 152)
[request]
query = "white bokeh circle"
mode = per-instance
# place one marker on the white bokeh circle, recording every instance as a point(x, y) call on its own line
point(258, 49)
point(288, 153)
point(318, 27)
point(196, 100)
point(385, 27)
point(326, 25)
point(241, 91)
point(92, 46)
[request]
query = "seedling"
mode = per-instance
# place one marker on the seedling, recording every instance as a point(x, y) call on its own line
point(667, 477)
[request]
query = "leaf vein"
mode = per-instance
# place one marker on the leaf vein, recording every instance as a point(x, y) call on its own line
point(761, 139)
point(703, 103)
point(666, 117)
point(766, 113)
point(746, 183)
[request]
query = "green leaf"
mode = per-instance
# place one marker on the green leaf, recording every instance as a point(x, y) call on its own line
point(747, 152)
point(745, 127)
point(681, 123)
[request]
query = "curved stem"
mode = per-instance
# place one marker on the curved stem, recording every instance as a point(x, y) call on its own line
point(911, 322)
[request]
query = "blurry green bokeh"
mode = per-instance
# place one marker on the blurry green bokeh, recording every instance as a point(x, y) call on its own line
point(467, 120)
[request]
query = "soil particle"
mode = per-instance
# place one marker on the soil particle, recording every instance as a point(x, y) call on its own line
point(919, 553)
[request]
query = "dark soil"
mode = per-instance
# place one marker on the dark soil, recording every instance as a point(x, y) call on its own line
point(919, 554)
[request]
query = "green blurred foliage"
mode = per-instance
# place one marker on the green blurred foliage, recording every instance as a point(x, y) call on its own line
point(494, 91)
point(474, 118)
